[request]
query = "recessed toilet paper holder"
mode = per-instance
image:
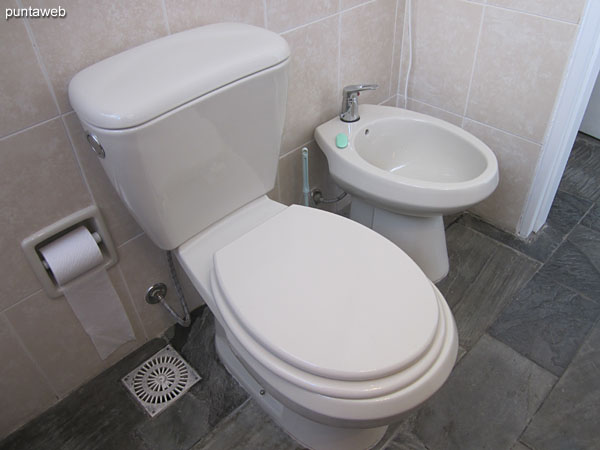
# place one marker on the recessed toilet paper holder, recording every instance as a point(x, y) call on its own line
point(91, 219)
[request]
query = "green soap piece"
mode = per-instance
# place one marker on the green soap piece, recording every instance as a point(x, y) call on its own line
point(341, 140)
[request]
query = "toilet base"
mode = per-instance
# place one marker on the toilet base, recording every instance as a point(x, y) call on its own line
point(422, 238)
point(307, 432)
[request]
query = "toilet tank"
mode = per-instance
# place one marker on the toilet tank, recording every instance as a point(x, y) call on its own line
point(188, 127)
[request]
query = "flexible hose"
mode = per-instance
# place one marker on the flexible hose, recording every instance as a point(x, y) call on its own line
point(186, 320)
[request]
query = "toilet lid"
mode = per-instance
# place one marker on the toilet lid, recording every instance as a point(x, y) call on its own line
point(328, 295)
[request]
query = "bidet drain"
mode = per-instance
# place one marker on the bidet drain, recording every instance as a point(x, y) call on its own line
point(160, 380)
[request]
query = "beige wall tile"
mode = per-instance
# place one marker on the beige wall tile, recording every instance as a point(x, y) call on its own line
point(517, 160)
point(392, 101)
point(41, 183)
point(423, 108)
point(186, 14)
point(92, 31)
point(366, 53)
point(23, 389)
point(57, 341)
point(143, 264)
point(24, 93)
point(286, 14)
point(121, 225)
point(312, 91)
point(519, 68)
point(567, 10)
point(397, 56)
point(346, 4)
point(444, 42)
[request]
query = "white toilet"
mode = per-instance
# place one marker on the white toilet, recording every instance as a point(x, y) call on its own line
point(331, 328)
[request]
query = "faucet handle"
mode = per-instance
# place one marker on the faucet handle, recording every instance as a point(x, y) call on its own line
point(356, 88)
point(349, 111)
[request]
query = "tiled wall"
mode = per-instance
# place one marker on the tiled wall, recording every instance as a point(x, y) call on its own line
point(48, 171)
point(493, 67)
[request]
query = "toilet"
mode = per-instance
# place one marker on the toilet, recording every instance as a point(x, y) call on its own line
point(330, 327)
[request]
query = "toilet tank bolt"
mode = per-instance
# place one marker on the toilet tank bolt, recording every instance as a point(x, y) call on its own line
point(262, 392)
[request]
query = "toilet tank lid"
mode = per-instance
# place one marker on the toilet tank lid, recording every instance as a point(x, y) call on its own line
point(144, 82)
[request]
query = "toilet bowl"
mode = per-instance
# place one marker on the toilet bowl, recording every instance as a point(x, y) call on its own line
point(354, 346)
point(332, 328)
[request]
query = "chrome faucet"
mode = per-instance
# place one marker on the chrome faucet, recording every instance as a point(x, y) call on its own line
point(349, 112)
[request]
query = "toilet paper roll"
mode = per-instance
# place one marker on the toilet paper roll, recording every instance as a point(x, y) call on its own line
point(92, 296)
point(72, 255)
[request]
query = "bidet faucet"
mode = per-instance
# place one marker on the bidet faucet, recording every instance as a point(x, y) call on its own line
point(349, 112)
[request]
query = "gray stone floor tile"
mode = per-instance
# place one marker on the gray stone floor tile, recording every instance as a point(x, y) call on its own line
point(582, 174)
point(547, 323)
point(221, 393)
point(449, 220)
point(519, 446)
point(249, 428)
point(213, 398)
point(468, 252)
point(592, 219)
point(567, 210)
point(499, 279)
point(179, 427)
point(100, 415)
point(487, 401)
point(570, 416)
point(576, 264)
point(406, 441)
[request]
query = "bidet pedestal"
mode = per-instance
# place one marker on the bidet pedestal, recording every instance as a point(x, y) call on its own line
point(422, 238)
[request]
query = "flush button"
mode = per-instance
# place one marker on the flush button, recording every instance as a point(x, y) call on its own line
point(96, 147)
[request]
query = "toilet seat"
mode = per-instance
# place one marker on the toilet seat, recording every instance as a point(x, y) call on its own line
point(299, 255)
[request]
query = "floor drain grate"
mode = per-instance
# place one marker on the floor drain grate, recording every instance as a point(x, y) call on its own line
point(160, 380)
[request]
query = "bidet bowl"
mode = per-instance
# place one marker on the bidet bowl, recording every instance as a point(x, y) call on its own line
point(404, 171)
point(409, 163)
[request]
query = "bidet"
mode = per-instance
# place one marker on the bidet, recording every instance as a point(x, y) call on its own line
point(404, 171)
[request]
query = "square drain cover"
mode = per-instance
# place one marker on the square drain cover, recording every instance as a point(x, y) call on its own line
point(160, 380)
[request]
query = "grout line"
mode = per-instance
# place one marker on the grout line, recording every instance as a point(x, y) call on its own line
point(539, 16)
point(339, 51)
point(34, 361)
point(408, 40)
point(18, 302)
point(214, 431)
point(137, 313)
point(130, 240)
point(321, 19)
point(412, 99)
point(499, 129)
point(164, 10)
point(77, 160)
point(306, 144)
point(394, 46)
point(265, 14)
point(307, 24)
point(401, 50)
point(474, 65)
point(43, 122)
point(474, 121)
point(565, 237)
point(40, 61)
point(387, 99)
point(506, 246)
